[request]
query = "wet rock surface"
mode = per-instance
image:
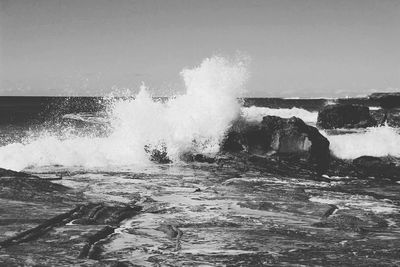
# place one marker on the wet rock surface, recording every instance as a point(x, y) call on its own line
point(242, 210)
point(386, 100)
point(48, 224)
point(390, 112)
point(393, 117)
point(281, 136)
point(345, 116)
point(384, 168)
point(390, 117)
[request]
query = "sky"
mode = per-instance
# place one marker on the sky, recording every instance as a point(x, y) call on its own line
point(298, 48)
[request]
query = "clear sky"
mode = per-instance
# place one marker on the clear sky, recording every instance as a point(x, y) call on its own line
point(305, 48)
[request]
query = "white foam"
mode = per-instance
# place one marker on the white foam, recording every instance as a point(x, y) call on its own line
point(196, 120)
point(358, 202)
point(376, 141)
point(375, 108)
point(254, 113)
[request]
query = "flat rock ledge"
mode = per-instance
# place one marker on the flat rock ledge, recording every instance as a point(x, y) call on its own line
point(239, 210)
point(48, 224)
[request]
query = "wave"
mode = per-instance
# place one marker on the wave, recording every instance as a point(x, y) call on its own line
point(254, 113)
point(196, 120)
point(376, 141)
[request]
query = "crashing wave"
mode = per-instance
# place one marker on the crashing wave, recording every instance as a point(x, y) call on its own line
point(375, 141)
point(257, 113)
point(196, 120)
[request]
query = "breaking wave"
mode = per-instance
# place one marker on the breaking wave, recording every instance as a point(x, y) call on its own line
point(196, 120)
point(254, 113)
point(376, 141)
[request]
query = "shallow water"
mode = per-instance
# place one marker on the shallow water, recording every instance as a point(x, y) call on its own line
point(239, 218)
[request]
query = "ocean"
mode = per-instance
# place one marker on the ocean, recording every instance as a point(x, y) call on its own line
point(233, 211)
point(40, 123)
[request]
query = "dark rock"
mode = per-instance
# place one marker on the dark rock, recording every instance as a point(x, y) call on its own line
point(368, 162)
point(390, 117)
point(393, 117)
point(233, 142)
point(281, 136)
point(158, 154)
point(345, 116)
point(386, 100)
point(380, 116)
point(192, 157)
point(332, 208)
point(91, 251)
point(247, 136)
point(368, 166)
point(116, 263)
point(34, 189)
point(288, 136)
point(98, 214)
point(39, 230)
point(10, 173)
point(390, 114)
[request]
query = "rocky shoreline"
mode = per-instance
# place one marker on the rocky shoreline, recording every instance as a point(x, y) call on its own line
point(159, 218)
point(273, 196)
point(35, 217)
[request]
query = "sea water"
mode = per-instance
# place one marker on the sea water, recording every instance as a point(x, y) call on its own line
point(194, 121)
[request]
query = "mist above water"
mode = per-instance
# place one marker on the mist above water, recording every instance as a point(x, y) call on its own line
point(195, 121)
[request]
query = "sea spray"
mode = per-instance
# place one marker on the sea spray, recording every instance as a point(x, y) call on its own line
point(375, 141)
point(254, 113)
point(196, 121)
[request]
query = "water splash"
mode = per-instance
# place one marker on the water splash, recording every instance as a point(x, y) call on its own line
point(375, 141)
point(254, 113)
point(196, 120)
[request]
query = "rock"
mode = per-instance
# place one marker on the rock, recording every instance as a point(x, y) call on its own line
point(194, 157)
point(10, 173)
point(390, 114)
point(91, 250)
point(345, 116)
point(158, 154)
point(390, 117)
point(368, 162)
point(34, 189)
point(39, 230)
point(367, 166)
point(281, 136)
point(393, 118)
point(294, 136)
point(93, 214)
point(386, 100)
point(379, 115)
